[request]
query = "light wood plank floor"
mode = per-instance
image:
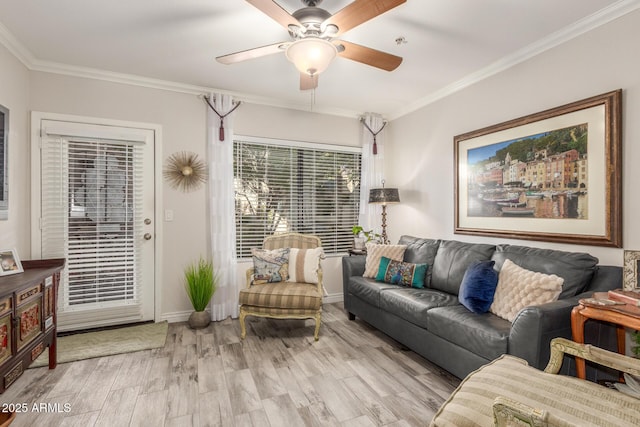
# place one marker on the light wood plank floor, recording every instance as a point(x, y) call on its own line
point(353, 376)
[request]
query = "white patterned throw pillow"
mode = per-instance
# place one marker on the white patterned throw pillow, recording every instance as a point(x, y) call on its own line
point(376, 251)
point(304, 265)
point(519, 288)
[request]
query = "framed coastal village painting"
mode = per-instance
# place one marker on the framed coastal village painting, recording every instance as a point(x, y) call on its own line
point(552, 176)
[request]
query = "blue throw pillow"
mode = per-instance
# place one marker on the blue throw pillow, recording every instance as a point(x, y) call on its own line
point(478, 286)
point(401, 273)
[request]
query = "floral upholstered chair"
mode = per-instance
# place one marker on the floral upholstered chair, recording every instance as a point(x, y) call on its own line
point(286, 280)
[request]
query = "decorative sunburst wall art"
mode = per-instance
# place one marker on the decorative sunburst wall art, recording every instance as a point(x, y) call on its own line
point(185, 171)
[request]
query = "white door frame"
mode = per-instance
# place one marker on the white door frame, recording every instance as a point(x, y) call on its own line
point(36, 247)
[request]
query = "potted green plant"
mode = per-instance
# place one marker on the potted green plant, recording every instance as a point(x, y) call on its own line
point(362, 236)
point(200, 282)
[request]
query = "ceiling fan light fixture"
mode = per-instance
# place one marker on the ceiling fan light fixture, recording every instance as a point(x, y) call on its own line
point(311, 55)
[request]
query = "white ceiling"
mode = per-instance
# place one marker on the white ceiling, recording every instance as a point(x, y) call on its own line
point(450, 43)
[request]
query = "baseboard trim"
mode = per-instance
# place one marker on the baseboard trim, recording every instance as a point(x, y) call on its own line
point(176, 316)
point(331, 298)
point(183, 316)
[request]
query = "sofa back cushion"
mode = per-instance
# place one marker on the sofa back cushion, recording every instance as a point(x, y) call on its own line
point(453, 259)
point(420, 251)
point(576, 268)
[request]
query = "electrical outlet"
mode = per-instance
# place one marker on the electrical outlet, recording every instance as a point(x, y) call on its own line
point(168, 215)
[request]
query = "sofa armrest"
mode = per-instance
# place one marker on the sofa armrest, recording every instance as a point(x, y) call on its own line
point(610, 359)
point(351, 266)
point(534, 327)
point(249, 276)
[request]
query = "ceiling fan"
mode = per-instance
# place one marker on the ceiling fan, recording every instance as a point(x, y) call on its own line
point(314, 32)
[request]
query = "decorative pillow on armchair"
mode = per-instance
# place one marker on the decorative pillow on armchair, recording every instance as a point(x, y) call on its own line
point(304, 265)
point(478, 286)
point(519, 288)
point(270, 265)
point(401, 273)
point(375, 252)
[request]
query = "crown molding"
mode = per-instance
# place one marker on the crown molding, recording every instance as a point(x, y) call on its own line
point(582, 26)
point(16, 48)
point(25, 56)
point(591, 22)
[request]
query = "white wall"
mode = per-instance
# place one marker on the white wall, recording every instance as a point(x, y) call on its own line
point(419, 152)
point(182, 118)
point(14, 94)
point(183, 121)
point(419, 157)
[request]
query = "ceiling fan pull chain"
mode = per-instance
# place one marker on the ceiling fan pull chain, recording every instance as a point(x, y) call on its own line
point(375, 134)
point(222, 116)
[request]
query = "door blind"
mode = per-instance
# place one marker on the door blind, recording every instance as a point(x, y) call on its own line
point(91, 215)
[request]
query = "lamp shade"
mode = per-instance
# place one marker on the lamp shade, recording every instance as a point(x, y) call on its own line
point(311, 55)
point(384, 196)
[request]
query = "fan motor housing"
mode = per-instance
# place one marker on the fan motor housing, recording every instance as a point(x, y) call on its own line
point(311, 17)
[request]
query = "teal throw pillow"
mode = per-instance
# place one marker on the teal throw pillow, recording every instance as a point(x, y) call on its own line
point(478, 286)
point(401, 273)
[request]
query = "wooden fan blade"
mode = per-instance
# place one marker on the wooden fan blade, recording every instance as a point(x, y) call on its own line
point(257, 52)
point(358, 12)
point(368, 56)
point(275, 12)
point(308, 82)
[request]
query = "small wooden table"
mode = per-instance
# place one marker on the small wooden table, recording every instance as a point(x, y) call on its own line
point(598, 308)
point(357, 252)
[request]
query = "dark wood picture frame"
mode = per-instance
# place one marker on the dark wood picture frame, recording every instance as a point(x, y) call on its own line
point(603, 116)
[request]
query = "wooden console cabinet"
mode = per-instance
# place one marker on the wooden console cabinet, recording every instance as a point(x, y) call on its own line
point(28, 303)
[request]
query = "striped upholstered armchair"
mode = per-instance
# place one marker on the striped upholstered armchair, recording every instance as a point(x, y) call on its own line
point(299, 297)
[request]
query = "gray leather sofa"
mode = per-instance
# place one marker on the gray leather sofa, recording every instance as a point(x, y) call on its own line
point(431, 321)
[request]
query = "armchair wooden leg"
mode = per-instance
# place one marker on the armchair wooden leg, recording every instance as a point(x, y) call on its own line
point(317, 331)
point(243, 328)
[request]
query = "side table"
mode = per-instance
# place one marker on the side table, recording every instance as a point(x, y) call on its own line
point(357, 252)
point(601, 308)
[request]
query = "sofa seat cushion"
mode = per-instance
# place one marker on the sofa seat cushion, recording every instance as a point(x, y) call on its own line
point(412, 304)
point(289, 295)
point(576, 268)
point(452, 260)
point(485, 334)
point(368, 290)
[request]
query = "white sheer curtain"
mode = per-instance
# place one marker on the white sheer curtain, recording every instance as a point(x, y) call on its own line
point(222, 207)
point(371, 172)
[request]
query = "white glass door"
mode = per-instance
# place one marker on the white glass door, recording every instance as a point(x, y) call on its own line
point(97, 207)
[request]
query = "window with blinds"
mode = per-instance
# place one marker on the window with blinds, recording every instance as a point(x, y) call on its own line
point(296, 187)
point(91, 193)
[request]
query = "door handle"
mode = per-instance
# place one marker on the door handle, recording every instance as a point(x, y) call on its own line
point(147, 236)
